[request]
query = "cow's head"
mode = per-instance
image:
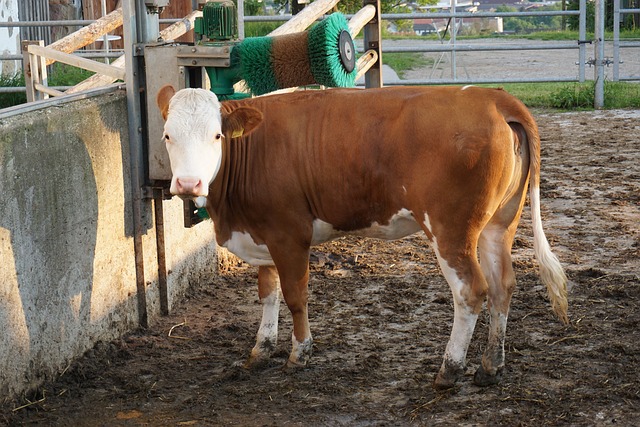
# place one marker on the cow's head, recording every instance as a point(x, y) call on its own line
point(194, 131)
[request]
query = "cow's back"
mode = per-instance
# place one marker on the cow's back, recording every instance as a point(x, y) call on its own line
point(354, 157)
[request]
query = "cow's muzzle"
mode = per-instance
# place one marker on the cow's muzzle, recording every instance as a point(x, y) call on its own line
point(189, 186)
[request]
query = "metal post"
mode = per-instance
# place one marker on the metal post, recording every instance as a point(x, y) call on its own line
point(599, 55)
point(241, 19)
point(158, 207)
point(453, 31)
point(372, 40)
point(616, 40)
point(582, 36)
point(139, 27)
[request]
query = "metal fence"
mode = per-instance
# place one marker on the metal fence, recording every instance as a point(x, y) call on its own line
point(453, 46)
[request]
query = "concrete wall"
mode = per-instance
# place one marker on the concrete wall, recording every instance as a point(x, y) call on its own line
point(67, 268)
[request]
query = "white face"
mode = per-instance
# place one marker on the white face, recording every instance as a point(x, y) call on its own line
point(193, 137)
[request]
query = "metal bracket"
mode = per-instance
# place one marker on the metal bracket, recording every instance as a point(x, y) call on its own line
point(149, 192)
point(593, 62)
point(585, 42)
point(204, 56)
point(192, 214)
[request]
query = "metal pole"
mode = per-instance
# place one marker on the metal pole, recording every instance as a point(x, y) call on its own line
point(241, 19)
point(158, 207)
point(453, 31)
point(599, 55)
point(138, 27)
point(582, 40)
point(616, 40)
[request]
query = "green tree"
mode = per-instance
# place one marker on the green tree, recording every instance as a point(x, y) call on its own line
point(531, 23)
point(628, 22)
point(253, 7)
point(352, 6)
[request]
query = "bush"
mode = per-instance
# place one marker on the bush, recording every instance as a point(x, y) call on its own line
point(11, 99)
point(569, 97)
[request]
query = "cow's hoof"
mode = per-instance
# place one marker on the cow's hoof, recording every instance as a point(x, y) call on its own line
point(441, 382)
point(448, 375)
point(255, 363)
point(300, 353)
point(483, 379)
point(292, 365)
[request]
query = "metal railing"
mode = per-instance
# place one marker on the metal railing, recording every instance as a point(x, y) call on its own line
point(452, 47)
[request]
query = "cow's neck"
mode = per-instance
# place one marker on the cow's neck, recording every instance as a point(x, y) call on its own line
point(231, 178)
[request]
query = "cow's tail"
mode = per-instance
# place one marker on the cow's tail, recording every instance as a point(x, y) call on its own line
point(551, 271)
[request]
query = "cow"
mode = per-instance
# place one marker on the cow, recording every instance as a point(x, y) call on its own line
point(285, 172)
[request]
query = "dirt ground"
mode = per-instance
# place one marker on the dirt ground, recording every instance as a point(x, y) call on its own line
point(381, 315)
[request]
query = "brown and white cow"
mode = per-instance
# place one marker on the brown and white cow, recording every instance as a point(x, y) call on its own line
point(285, 172)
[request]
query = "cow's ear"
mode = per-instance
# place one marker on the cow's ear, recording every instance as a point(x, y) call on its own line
point(241, 121)
point(165, 94)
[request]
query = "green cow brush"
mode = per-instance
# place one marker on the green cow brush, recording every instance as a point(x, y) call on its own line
point(323, 55)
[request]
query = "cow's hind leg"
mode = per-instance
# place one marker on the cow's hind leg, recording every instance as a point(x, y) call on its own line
point(468, 287)
point(494, 250)
point(269, 294)
point(495, 259)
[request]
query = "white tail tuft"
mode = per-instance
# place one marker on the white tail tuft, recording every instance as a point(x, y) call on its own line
point(551, 271)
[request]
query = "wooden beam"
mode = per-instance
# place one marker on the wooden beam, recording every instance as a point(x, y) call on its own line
point(361, 18)
point(365, 62)
point(305, 18)
point(77, 61)
point(170, 33)
point(87, 35)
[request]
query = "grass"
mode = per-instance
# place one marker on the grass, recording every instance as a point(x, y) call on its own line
point(574, 96)
point(403, 62)
point(11, 99)
point(59, 75)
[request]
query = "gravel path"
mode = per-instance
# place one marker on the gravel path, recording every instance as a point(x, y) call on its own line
point(520, 64)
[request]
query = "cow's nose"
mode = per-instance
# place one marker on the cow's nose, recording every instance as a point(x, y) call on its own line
point(188, 185)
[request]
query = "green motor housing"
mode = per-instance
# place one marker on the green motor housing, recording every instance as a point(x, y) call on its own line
point(219, 22)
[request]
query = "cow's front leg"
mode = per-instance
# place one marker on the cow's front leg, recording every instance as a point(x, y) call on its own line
point(269, 294)
point(293, 268)
point(468, 287)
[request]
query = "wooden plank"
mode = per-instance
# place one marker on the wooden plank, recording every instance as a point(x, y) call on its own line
point(305, 18)
point(361, 18)
point(48, 90)
point(76, 61)
point(88, 34)
point(373, 41)
point(178, 9)
point(170, 33)
point(365, 62)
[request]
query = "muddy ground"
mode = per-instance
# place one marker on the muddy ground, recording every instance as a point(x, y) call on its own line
point(381, 314)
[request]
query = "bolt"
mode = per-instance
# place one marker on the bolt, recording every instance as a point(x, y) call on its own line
point(194, 62)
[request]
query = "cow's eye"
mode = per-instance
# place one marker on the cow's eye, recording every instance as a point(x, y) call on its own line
point(218, 136)
point(166, 138)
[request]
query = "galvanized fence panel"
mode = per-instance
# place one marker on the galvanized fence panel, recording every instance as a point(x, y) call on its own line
point(455, 46)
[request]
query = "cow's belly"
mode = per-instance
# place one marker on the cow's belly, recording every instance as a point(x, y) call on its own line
point(399, 225)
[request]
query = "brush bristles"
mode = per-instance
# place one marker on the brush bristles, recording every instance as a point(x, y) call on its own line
point(253, 56)
point(271, 63)
point(324, 53)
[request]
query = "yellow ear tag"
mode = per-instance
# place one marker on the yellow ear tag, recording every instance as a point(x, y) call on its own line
point(237, 133)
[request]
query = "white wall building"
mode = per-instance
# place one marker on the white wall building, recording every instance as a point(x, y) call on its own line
point(9, 37)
